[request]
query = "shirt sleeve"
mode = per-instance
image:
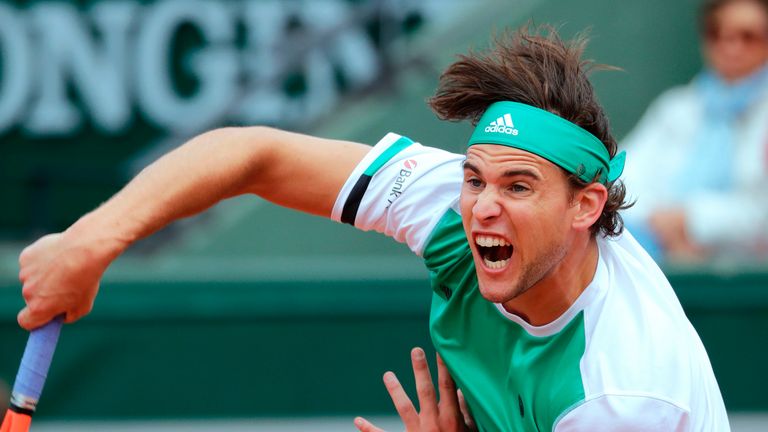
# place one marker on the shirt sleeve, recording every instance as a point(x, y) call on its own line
point(401, 189)
point(625, 413)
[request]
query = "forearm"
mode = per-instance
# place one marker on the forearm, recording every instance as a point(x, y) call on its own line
point(208, 168)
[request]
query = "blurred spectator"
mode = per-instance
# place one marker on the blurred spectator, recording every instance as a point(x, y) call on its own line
point(699, 157)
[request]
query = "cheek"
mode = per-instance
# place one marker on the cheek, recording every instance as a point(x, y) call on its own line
point(541, 220)
point(466, 203)
point(466, 220)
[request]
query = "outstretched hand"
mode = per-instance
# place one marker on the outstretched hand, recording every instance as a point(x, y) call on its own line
point(450, 414)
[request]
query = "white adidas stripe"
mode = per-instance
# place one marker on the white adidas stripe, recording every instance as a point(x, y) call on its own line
point(502, 124)
point(505, 120)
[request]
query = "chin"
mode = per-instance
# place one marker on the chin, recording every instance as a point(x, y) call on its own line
point(497, 292)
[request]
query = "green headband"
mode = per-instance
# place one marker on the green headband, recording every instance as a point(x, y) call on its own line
point(549, 136)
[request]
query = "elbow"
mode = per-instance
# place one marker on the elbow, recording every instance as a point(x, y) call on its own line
point(249, 153)
point(244, 141)
point(240, 134)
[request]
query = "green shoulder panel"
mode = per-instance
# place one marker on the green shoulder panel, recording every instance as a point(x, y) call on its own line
point(513, 381)
point(447, 254)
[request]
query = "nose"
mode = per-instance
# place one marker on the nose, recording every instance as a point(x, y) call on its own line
point(487, 205)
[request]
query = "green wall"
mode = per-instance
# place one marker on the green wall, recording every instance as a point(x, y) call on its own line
point(246, 349)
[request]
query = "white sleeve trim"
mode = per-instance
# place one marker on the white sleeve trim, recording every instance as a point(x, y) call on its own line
point(406, 196)
point(375, 152)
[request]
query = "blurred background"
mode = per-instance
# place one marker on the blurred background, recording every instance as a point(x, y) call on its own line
point(251, 317)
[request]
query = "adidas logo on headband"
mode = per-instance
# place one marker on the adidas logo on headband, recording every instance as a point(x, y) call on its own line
point(503, 125)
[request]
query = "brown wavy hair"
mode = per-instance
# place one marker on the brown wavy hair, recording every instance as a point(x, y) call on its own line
point(536, 67)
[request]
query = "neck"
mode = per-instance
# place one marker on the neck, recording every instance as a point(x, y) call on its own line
point(549, 298)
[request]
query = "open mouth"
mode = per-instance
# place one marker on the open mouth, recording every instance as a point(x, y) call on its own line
point(495, 251)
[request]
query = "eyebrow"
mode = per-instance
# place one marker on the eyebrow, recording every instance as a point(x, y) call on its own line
point(509, 173)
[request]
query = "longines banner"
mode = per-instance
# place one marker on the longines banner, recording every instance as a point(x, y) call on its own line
point(86, 84)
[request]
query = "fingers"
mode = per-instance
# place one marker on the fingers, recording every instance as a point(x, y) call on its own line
point(450, 415)
point(44, 305)
point(25, 319)
point(402, 402)
point(364, 425)
point(39, 312)
point(468, 419)
point(451, 418)
point(30, 320)
point(446, 386)
point(425, 388)
point(35, 313)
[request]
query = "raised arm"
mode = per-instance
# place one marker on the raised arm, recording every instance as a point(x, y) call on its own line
point(61, 272)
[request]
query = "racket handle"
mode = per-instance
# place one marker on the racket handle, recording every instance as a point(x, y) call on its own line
point(34, 365)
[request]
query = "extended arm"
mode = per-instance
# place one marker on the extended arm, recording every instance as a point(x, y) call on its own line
point(61, 272)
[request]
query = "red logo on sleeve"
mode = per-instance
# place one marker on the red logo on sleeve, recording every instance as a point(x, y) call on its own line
point(409, 165)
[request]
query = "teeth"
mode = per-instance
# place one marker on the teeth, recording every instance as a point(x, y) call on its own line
point(490, 241)
point(495, 264)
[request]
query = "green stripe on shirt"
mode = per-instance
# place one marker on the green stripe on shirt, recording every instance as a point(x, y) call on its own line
point(388, 154)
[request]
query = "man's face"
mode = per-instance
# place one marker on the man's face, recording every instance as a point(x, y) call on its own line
point(516, 210)
point(736, 40)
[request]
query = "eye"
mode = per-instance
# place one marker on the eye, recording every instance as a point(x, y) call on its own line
point(517, 187)
point(474, 182)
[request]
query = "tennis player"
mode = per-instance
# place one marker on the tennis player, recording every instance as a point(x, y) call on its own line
point(547, 316)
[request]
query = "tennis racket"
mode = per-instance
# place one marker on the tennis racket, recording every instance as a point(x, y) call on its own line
point(31, 376)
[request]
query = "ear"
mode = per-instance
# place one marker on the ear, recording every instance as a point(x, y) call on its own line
point(589, 203)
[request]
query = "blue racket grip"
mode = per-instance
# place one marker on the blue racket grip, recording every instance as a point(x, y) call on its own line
point(36, 361)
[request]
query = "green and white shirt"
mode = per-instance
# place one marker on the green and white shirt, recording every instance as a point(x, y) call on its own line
point(623, 357)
